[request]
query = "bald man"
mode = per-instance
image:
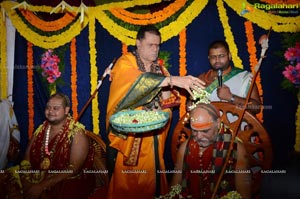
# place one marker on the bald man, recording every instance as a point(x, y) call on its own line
point(200, 158)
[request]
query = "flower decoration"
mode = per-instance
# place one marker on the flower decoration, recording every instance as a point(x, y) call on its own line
point(292, 71)
point(50, 69)
point(201, 96)
point(292, 75)
point(175, 191)
point(50, 66)
point(232, 195)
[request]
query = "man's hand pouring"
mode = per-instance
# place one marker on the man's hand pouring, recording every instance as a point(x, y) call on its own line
point(189, 83)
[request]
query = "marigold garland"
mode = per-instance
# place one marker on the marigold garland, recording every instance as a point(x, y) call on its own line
point(42, 32)
point(260, 17)
point(134, 26)
point(47, 41)
point(149, 18)
point(122, 34)
point(3, 61)
point(168, 31)
point(251, 44)
point(182, 68)
point(253, 61)
point(30, 90)
point(167, 11)
point(107, 6)
point(48, 26)
point(126, 4)
point(228, 34)
point(74, 78)
point(176, 26)
point(124, 48)
point(94, 75)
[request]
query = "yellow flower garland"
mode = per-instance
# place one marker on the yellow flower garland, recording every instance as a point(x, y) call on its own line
point(182, 68)
point(74, 78)
point(175, 27)
point(48, 26)
point(149, 18)
point(55, 41)
point(30, 89)
point(228, 35)
point(167, 32)
point(3, 64)
point(94, 75)
point(126, 4)
point(260, 17)
point(107, 6)
point(125, 36)
point(253, 61)
point(46, 42)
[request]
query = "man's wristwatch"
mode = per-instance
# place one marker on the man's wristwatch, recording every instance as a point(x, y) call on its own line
point(232, 98)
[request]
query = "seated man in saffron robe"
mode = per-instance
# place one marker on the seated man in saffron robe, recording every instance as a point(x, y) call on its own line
point(201, 157)
point(54, 163)
point(139, 82)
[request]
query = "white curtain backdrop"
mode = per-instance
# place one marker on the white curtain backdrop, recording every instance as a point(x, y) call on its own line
point(10, 50)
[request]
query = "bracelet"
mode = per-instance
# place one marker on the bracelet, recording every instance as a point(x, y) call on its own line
point(171, 83)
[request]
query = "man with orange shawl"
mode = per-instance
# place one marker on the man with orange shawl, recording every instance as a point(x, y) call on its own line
point(139, 82)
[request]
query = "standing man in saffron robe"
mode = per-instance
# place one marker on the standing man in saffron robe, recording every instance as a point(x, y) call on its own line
point(139, 82)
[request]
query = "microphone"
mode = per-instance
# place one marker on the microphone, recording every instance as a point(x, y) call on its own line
point(219, 74)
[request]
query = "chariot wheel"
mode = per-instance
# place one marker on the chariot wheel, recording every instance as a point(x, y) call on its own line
point(251, 132)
